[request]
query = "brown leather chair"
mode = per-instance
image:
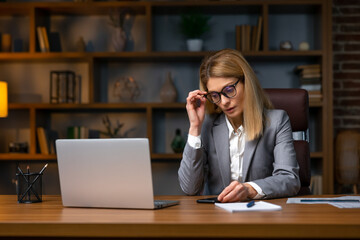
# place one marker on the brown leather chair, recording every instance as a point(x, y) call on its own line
point(296, 103)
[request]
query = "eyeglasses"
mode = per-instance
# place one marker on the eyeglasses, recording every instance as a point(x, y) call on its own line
point(227, 91)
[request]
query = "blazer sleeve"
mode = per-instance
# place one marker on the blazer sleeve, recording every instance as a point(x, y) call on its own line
point(284, 180)
point(191, 172)
point(193, 169)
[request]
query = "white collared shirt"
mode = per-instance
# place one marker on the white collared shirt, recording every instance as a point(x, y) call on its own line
point(236, 147)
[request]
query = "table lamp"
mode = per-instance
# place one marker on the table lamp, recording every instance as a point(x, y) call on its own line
point(3, 100)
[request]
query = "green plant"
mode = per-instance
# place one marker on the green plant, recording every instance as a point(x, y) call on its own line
point(194, 25)
point(114, 132)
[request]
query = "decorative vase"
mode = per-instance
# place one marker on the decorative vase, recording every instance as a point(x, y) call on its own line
point(178, 143)
point(118, 39)
point(80, 45)
point(168, 91)
point(127, 89)
point(194, 45)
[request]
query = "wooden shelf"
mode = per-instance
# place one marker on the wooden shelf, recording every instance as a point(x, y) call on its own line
point(316, 155)
point(26, 157)
point(113, 106)
point(52, 157)
point(96, 106)
point(166, 156)
point(84, 57)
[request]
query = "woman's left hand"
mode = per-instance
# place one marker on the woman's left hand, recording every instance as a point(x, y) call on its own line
point(236, 192)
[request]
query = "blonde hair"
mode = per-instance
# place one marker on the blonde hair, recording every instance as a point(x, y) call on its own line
point(229, 63)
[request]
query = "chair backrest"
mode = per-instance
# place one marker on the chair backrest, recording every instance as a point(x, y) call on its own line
point(296, 103)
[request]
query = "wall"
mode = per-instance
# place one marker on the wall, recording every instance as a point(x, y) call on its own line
point(346, 50)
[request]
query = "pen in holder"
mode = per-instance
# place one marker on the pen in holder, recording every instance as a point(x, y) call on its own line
point(29, 186)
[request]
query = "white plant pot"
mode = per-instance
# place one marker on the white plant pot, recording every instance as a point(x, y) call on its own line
point(194, 45)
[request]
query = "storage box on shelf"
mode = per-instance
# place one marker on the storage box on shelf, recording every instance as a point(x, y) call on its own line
point(158, 48)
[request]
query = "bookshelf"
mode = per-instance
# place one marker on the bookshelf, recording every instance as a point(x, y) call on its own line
point(153, 30)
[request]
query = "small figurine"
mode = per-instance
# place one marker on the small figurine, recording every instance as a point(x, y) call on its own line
point(178, 143)
point(304, 46)
point(286, 45)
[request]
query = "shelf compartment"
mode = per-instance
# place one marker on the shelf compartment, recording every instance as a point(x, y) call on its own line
point(149, 80)
point(296, 23)
point(16, 128)
point(11, 16)
point(224, 18)
point(164, 124)
point(67, 21)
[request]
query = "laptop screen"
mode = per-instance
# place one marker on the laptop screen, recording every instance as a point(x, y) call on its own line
point(106, 173)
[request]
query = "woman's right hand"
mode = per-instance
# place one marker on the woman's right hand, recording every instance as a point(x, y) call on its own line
point(195, 107)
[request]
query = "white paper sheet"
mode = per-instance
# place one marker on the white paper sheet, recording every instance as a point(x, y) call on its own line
point(242, 206)
point(334, 201)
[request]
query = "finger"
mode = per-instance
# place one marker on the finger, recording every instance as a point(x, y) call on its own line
point(231, 197)
point(227, 190)
point(238, 193)
point(192, 94)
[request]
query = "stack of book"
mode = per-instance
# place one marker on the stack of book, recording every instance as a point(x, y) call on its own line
point(248, 37)
point(310, 79)
point(48, 41)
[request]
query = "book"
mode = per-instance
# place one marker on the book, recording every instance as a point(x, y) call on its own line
point(311, 70)
point(242, 206)
point(311, 87)
point(52, 136)
point(42, 139)
point(243, 38)
point(311, 75)
point(258, 33)
point(301, 67)
point(54, 42)
point(77, 132)
point(315, 80)
point(247, 37)
point(46, 39)
point(253, 38)
point(315, 95)
point(238, 37)
point(41, 39)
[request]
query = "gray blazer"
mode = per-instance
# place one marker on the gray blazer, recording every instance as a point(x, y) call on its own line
point(269, 161)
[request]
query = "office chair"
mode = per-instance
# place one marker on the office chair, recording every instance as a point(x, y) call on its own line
point(296, 103)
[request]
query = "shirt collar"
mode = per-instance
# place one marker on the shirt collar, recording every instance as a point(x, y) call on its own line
point(231, 129)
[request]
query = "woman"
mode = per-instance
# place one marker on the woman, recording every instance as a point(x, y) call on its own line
point(242, 149)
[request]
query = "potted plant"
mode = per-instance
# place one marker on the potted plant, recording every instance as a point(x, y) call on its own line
point(194, 26)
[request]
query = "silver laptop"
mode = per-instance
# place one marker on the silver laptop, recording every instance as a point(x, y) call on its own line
point(106, 173)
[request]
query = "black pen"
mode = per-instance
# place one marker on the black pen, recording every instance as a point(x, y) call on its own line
point(329, 200)
point(250, 204)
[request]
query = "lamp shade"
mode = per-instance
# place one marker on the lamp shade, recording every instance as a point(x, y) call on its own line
point(3, 99)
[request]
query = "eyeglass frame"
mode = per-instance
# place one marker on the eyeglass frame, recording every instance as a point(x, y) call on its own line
point(222, 93)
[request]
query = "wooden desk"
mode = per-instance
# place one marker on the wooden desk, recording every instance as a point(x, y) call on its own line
point(189, 219)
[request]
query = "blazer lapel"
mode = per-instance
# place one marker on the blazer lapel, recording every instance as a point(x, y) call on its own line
point(221, 139)
point(250, 147)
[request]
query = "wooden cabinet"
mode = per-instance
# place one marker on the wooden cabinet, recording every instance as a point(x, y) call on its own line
point(157, 48)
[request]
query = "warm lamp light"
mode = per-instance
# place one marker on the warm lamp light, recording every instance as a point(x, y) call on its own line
point(3, 99)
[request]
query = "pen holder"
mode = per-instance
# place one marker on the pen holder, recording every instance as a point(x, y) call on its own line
point(29, 187)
